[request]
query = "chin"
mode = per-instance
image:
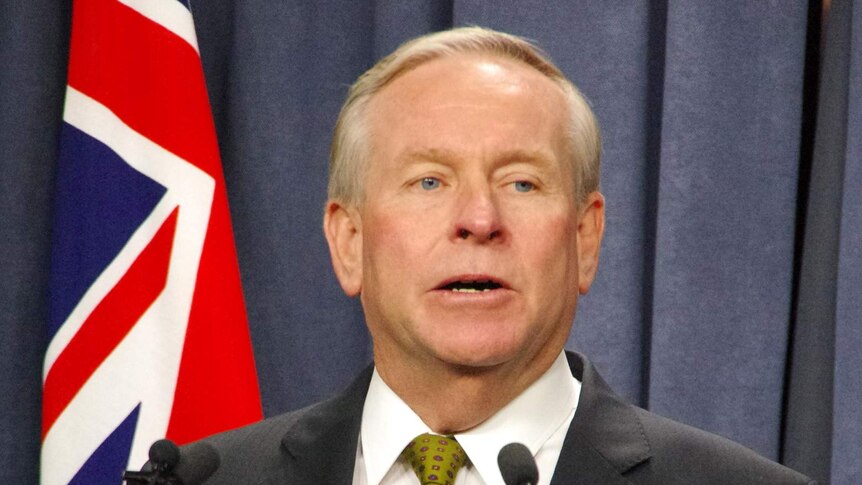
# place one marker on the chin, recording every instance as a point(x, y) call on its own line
point(478, 355)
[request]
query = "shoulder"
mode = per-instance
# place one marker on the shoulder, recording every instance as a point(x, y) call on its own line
point(295, 446)
point(684, 454)
point(250, 453)
point(613, 439)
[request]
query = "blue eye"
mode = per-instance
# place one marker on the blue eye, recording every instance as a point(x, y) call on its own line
point(430, 183)
point(524, 186)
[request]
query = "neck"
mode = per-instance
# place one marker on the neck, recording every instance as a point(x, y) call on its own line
point(453, 398)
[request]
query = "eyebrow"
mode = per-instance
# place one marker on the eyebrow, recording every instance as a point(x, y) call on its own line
point(428, 155)
point(541, 158)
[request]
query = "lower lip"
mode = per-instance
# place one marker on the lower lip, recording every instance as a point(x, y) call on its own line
point(478, 298)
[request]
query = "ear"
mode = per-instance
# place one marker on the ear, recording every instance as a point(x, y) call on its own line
point(343, 229)
point(591, 227)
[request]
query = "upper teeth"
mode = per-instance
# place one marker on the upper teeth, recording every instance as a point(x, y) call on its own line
point(470, 290)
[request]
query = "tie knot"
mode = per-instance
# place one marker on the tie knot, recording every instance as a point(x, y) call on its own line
point(435, 459)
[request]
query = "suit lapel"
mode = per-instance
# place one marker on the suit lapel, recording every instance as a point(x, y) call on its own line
point(606, 437)
point(322, 443)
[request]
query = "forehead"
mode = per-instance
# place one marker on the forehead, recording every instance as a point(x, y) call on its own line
point(467, 103)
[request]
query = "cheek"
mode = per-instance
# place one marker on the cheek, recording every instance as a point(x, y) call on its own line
point(552, 234)
point(380, 243)
point(393, 242)
point(552, 252)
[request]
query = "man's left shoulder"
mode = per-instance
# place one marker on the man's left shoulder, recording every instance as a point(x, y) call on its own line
point(685, 454)
point(625, 441)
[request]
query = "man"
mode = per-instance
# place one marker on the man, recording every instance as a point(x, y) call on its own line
point(464, 212)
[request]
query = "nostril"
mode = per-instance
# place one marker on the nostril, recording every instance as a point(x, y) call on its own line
point(466, 233)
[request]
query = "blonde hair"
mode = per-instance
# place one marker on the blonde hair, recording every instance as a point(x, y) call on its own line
point(350, 149)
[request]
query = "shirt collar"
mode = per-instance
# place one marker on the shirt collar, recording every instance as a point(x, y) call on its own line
point(531, 418)
point(388, 424)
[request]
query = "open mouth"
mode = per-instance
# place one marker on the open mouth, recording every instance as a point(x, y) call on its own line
point(471, 286)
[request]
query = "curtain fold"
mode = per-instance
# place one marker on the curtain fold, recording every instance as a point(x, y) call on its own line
point(726, 209)
point(33, 55)
point(702, 110)
point(809, 420)
point(847, 391)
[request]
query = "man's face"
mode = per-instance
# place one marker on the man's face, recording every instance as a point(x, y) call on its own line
point(466, 247)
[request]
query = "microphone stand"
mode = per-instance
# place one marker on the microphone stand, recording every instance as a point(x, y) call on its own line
point(164, 456)
point(149, 478)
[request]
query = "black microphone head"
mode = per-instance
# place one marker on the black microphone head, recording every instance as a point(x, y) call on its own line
point(517, 465)
point(197, 462)
point(164, 455)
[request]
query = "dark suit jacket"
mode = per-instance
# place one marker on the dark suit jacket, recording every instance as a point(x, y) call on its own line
point(608, 442)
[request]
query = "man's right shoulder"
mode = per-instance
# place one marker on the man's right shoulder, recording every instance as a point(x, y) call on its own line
point(253, 452)
point(291, 447)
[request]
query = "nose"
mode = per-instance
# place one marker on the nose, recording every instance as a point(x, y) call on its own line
point(477, 216)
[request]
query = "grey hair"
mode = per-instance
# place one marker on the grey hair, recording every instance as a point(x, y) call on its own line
point(350, 149)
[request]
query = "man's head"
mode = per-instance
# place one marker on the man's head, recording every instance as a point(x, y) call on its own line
point(350, 143)
point(460, 207)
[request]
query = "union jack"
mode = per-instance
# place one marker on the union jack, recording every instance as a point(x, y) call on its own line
point(148, 333)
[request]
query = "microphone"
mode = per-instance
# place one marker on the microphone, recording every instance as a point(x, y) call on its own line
point(517, 465)
point(164, 455)
point(169, 465)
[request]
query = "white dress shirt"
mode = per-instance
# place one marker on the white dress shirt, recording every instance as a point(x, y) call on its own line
point(539, 418)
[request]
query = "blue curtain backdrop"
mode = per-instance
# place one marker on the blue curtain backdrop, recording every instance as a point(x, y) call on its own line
point(728, 292)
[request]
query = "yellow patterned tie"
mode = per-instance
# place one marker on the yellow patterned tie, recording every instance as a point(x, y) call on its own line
point(435, 459)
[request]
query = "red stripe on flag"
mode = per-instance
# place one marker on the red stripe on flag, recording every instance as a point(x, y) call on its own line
point(110, 322)
point(147, 76)
point(217, 384)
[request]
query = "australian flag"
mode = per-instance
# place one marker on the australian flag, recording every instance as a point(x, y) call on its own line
point(148, 332)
